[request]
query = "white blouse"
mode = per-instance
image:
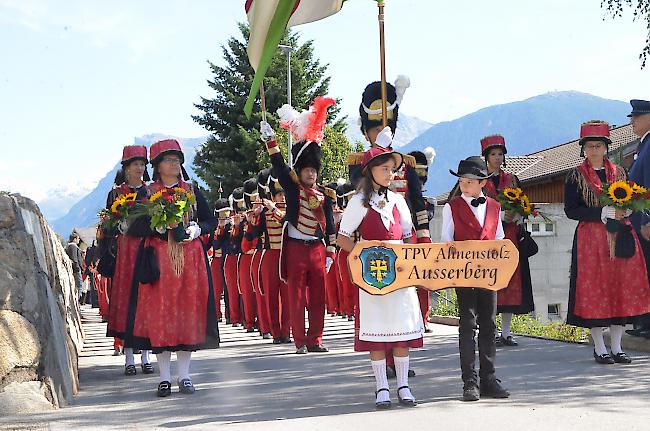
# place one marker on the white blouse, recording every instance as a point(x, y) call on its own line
point(355, 212)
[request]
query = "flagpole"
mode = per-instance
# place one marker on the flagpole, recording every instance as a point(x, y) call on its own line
point(263, 101)
point(382, 60)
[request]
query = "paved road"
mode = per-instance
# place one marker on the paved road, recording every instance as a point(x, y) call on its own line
point(251, 384)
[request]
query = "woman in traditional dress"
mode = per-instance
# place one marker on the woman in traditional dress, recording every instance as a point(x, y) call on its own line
point(129, 179)
point(517, 298)
point(393, 321)
point(177, 312)
point(608, 283)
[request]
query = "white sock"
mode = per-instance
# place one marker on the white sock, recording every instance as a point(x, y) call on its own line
point(506, 319)
point(128, 353)
point(379, 369)
point(402, 372)
point(599, 343)
point(165, 366)
point(183, 358)
point(144, 359)
point(615, 335)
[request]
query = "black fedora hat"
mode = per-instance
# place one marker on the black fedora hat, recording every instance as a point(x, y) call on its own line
point(639, 107)
point(473, 167)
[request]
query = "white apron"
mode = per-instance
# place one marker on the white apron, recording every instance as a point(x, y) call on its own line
point(392, 317)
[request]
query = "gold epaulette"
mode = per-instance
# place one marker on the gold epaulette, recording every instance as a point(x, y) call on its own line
point(294, 176)
point(330, 192)
point(409, 160)
point(355, 159)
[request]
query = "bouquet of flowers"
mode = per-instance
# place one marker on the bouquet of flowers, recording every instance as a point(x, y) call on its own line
point(514, 199)
point(120, 209)
point(170, 207)
point(624, 195)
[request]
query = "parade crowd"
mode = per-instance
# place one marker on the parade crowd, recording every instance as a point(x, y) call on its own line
point(277, 247)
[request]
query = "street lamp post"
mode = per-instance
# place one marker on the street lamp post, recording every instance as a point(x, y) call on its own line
point(287, 50)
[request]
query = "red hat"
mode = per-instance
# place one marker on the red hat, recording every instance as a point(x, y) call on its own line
point(164, 146)
point(131, 152)
point(595, 130)
point(492, 141)
point(375, 152)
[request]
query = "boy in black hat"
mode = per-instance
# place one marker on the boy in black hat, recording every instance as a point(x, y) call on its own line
point(473, 216)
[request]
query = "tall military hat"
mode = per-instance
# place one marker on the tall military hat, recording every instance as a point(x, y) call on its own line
point(250, 192)
point(274, 186)
point(370, 111)
point(263, 183)
point(238, 203)
point(423, 160)
point(344, 192)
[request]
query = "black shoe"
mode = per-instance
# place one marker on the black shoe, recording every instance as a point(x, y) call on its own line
point(185, 386)
point(278, 341)
point(147, 368)
point(498, 341)
point(164, 389)
point(411, 373)
point(302, 350)
point(471, 392)
point(427, 329)
point(137, 351)
point(130, 370)
point(493, 389)
point(267, 336)
point(350, 318)
point(317, 349)
point(605, 358)
point(251, 329)
point(638, 332)
point(287, 340)
point(390, 372)
point(408, 402)
point(507, 341)
point(622, 358)
point(382, 405)
point(236, 325)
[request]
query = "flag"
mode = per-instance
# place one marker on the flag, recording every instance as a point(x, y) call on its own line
point(268, 19)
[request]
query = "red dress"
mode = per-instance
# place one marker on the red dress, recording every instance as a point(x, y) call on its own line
point(517, 298)
point(604, 290)
point(372, 228)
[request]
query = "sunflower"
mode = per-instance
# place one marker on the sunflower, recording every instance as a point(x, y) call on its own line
point(525, 205)
point(116, 204)
point(637, 189)
point(156, 196)
point(620, 192)
point(130, 197)
point(512, 194)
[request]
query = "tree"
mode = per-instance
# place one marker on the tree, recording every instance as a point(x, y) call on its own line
point(231, 150)
point(640, 10)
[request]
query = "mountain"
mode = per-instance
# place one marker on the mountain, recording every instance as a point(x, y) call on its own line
point(408, 128)
point(529, 125)
point(59, 199)
point(84, 212)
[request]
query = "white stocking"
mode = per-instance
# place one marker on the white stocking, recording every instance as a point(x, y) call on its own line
point(379, 369)
point(506, 319)
point(164, 366)
point(183, 358)
point(128, 356)
point(599, 343)
point(402, 373)
point(615, 335)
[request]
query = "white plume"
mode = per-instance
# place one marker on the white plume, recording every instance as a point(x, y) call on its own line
point(231, 201)
point(296, 122)
point(430, 154)
point(401, 84)
point(340, 181)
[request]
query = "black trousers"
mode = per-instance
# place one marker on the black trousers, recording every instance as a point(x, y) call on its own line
point(477, 309)
point(643, 321)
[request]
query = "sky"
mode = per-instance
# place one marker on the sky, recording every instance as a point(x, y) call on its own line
point(79, 79)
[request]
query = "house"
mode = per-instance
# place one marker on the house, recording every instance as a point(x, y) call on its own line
point(542, 176)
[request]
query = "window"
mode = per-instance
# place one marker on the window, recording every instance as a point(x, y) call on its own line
point(553, 311)
point(540, 228)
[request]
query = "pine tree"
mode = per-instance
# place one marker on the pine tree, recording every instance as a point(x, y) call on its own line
point(232, 149)
point(640, 11)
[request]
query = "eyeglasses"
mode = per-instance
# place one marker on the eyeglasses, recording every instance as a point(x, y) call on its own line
point(172, 160)
point(594, 147)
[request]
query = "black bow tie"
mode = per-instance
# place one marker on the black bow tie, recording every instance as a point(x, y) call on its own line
point(383, 191)
point(478, 201)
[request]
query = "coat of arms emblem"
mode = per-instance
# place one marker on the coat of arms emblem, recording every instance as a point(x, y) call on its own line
point(378, 266)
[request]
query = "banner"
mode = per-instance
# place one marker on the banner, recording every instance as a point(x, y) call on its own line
point(380, 268)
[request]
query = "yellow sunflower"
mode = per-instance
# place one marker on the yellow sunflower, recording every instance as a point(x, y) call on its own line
point(525, 205)
point(116, 204)
point(179, 190)
point(639, 189)
point(130, 197)
point(620, 192)
point(156, 196)
point(512, 194)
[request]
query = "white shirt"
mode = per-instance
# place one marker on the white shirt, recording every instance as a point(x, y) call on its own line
point(293, 232)
point(479, 212)
point(355, 212)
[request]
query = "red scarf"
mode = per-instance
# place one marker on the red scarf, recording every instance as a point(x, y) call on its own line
point(504, 181)
point(589, 173)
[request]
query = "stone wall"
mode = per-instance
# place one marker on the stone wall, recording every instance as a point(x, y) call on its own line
point(549, 268)
point(40, 323)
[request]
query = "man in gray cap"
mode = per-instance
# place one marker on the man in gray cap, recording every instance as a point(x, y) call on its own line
point(640, 174)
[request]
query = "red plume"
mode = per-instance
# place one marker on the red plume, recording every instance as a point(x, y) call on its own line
point(317, 118)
